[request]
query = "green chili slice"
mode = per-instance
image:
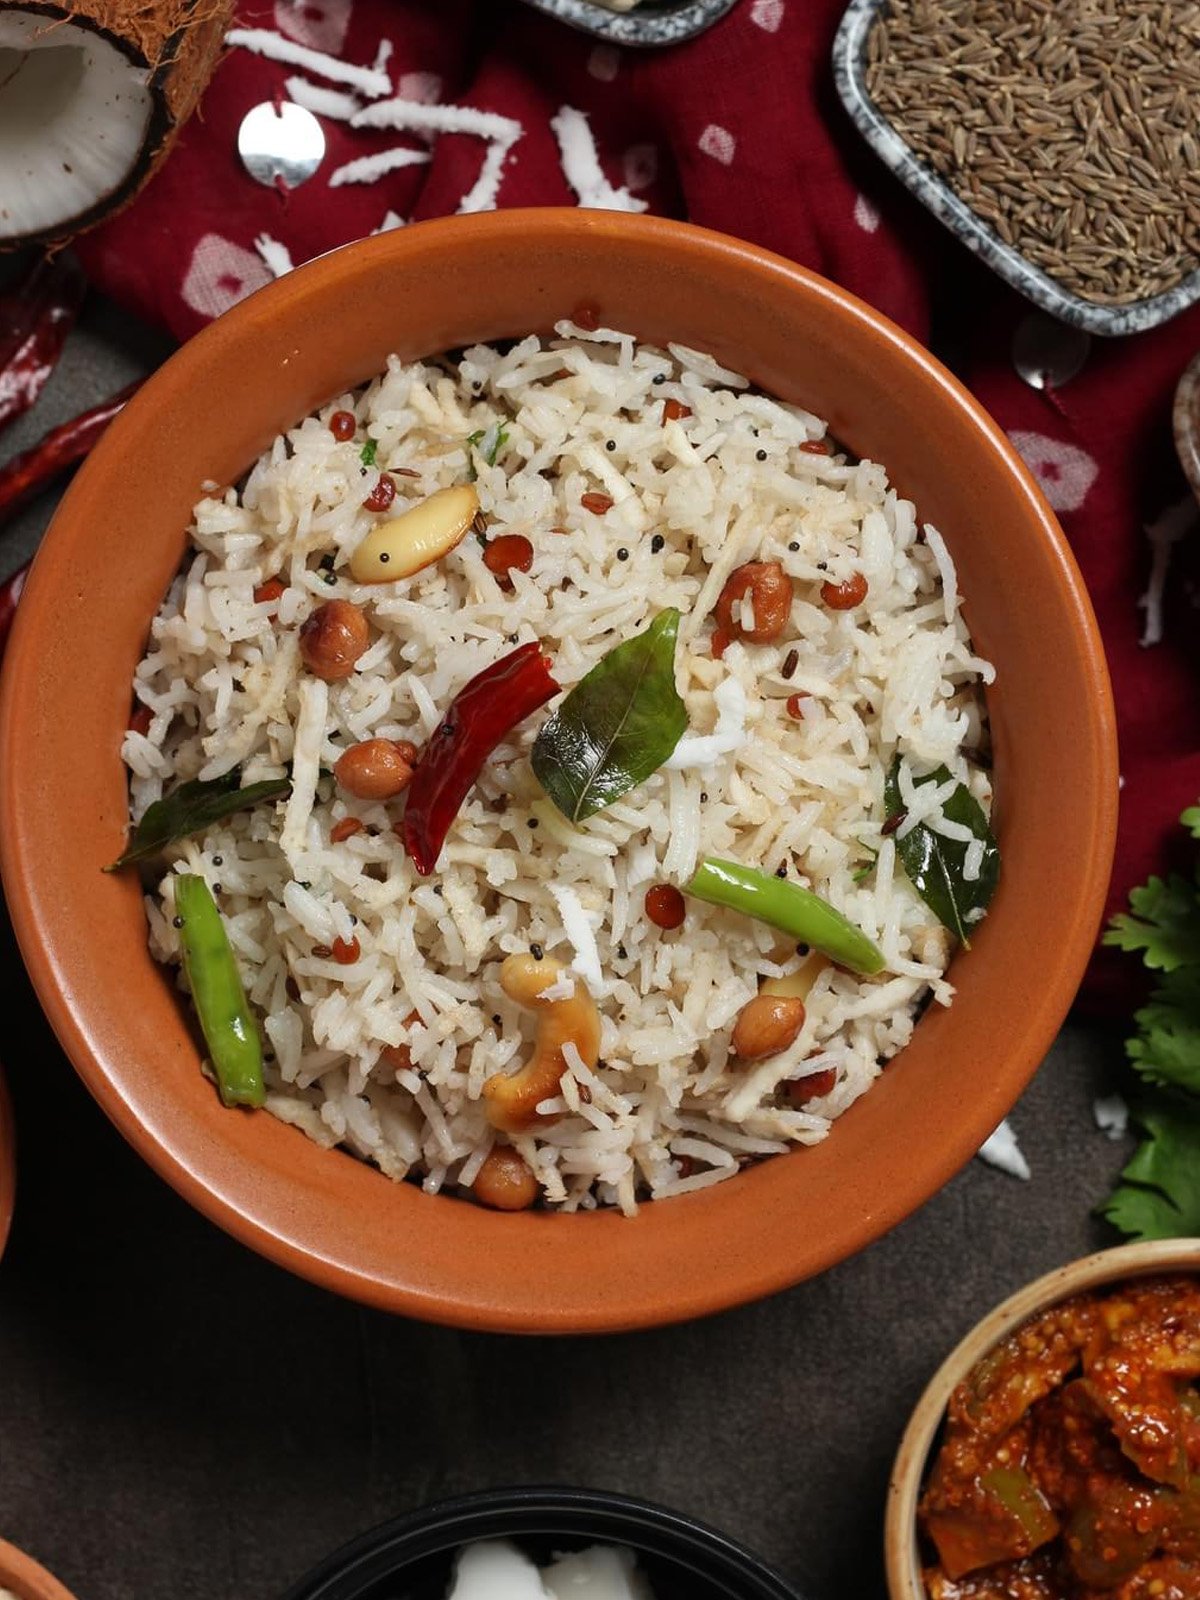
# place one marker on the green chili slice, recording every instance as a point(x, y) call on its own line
point(788, 907)
point(228, 1024)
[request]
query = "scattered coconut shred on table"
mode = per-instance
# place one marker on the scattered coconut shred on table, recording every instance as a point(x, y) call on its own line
point(1001, 1150)
point(1111, 1116)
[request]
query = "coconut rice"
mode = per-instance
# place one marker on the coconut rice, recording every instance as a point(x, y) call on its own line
point(666, 1110)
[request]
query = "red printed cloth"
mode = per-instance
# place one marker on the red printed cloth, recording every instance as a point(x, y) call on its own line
point(738, 130)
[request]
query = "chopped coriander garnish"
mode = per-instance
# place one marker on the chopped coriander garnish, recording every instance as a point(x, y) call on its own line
point(489, 442)
point(368, 452)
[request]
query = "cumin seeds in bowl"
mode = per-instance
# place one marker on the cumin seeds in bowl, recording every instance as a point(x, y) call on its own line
point(1068, 131)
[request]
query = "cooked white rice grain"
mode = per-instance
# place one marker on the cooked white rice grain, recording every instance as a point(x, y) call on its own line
point(388, 1054)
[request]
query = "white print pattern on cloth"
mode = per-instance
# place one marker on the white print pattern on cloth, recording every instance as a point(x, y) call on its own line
point(320, 24)
point(604, 63)
point(640, 166)
point(1064, 472)
point(865, 214)
point(767, 15)
point(219, 275)
point(581, 164)
point(718, 143)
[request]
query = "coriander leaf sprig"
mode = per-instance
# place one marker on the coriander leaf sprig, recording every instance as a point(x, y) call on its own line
point(1158, 1196)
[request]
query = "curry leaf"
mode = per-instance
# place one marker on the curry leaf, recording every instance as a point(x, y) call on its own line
point(617, 725)
point(192, 807)
point(368, 452)
point(935, 864)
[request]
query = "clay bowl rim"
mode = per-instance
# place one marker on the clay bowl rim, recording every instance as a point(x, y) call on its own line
point(8, 1163)
point(1144, 1259)
point(259, 1207)
point(26, 1578)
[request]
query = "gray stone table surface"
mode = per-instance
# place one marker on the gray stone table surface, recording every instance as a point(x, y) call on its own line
point(181, 1419)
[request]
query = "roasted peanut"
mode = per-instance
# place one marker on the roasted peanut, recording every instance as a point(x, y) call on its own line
point(399, 1056)
point(505, 1181)
point(417, 538)
point(376, 769)
point(845, 596)
point(767, 1025)
point(333, 638)
point(512, 1102)
point(764, 588)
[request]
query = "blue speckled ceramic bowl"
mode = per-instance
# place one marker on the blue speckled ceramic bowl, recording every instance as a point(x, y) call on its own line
point(849, 67)
point(658, 22)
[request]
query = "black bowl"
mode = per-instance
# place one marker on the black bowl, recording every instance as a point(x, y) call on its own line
point(412, 1557)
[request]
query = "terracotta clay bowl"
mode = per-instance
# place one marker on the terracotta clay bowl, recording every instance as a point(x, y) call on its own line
point(22, 1576)
point(8, 1164)
point(114, 547)
point(908, 1474)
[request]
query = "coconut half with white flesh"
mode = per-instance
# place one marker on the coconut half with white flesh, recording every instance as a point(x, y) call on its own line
point(91, 95)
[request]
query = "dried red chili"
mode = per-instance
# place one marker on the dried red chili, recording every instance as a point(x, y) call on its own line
point(35, 319)
point(480, 715)
point(29, 473)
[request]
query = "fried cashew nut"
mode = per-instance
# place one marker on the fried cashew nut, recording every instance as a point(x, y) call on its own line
point(512, 1102)
point(796, 985)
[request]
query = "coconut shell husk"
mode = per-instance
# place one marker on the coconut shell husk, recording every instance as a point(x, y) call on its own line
point(179, 42)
